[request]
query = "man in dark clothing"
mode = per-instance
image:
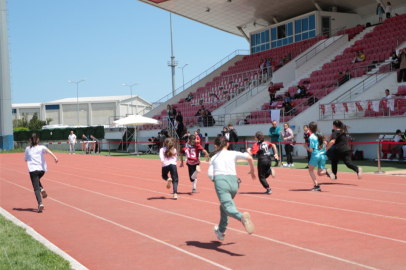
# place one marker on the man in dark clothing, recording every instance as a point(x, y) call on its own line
point(402, 65)
point(96, 146)
point(233, 137)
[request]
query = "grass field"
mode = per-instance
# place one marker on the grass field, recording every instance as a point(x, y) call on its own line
point(18, 250)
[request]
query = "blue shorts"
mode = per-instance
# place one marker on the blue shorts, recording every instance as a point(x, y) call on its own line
point(318, 160)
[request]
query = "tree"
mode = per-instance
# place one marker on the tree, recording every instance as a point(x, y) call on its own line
point(34, 122)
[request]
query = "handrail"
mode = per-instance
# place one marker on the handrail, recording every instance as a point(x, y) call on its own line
point(346, 113)
point(200, 76)
point(397, 40)
point(314, 51)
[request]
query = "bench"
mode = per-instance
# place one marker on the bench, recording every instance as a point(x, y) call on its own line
point(386, 148)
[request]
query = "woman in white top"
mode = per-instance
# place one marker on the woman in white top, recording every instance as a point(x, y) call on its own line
point(34, 156)
point(167, 154)
point(206, 142)
point(388, 10)
point(222, 171)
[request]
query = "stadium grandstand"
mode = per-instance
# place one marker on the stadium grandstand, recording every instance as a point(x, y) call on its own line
point(312, 46)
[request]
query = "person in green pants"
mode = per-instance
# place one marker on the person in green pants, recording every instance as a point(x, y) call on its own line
point(276, 138)
point(222, 171)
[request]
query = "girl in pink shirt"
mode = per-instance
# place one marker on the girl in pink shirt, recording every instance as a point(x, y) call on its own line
point(167, 154)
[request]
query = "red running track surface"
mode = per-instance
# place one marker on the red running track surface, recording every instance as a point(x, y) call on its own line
point(116, 213)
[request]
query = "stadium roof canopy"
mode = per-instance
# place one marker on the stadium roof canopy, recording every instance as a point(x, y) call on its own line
point(249, 15)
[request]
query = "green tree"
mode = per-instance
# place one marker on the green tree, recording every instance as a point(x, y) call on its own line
point(21, 123)
point(34, 122)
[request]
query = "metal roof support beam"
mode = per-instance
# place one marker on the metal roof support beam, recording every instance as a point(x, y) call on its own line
point(316, 5)
point(243, 33)
point(274, 19)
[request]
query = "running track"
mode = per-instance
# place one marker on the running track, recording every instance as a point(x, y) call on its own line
point(116, 213)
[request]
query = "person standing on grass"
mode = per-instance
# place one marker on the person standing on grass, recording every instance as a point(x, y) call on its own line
point(223, 172)
point(306, 136)
point(72, 142)
point(206, 142)
point(275, 134)
point(34, 156)
point(167, 155)
point(317, 148)
point(191, 150)
point(96, 146)
point(288, 139)
point(342, 150)
point(261, 147)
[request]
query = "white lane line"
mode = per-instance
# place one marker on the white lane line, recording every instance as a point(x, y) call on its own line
point(267, 198)
point(129, 229)
point(184, 216)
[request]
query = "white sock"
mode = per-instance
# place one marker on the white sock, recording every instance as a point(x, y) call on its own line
point(194, 184)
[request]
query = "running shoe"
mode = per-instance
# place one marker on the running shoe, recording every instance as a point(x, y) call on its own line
point(44, 193)
point(316, 188)
point(330, 174)
point(307, 167)
point(168, 183)
point(220, 235)
point(292, 165)
point(175, 196)
point(285, 165)
point(194, 175)
point(194, 191)
point(359, 173)
point(246, 221)
point(268, 191)
point(40, 208)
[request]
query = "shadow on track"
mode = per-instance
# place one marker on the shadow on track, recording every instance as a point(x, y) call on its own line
point(214, 245)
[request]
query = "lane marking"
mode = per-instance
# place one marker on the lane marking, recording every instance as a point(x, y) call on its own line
point(200, 220)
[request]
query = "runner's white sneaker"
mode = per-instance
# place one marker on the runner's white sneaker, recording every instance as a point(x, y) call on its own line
point(44, 193)
point(330, 174)
point(175, 196)
point(40, 208)
point(168, 183)
point(220, 236)
point(246, 221)
point(359, 173)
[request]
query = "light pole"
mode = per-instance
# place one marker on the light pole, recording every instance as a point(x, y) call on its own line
point(131, 87)
point(173, 64)
point(183, 77)
point(77, 94)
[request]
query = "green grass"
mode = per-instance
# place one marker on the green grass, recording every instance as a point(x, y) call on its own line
point(16, 150)
point(18, 250)
point(367, 165)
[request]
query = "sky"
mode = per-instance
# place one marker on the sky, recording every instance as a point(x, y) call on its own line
point(108, 42)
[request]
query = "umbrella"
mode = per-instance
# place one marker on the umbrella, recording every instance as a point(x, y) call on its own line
point(135, 120)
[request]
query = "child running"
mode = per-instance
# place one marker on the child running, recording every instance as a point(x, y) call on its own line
point(317, 148)
point(261, 147)
point(222, 171)
point(191, 150)
point(34, 156)
point(167, 154)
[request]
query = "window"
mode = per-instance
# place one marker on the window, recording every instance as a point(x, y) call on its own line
point(282, 35)
point(260, 41)
point(305, 28)
point(51, 107)
point(14, 110)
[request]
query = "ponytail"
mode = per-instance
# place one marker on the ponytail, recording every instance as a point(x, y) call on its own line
point(313, 128)
point(220, 142)
point(341, 126)
point(260, 136)
point(170, 146)
point(33, 139)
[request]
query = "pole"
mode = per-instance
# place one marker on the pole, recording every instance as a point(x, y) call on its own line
point(379, 158)
point(172, 64)
point(132, 108)
point(109, 148)
point(77, 99)
point(183, 79)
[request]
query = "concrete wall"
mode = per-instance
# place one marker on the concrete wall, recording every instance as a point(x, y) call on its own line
point(70, 114)
point(101, 112)
point(339, 20)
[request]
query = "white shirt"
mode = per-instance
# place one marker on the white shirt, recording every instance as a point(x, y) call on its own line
point(167, 161)
point(388, 9)
point(388, 96)
point(206, 139)
point(223, 163)
point(397, 138)
point(72, 138)
point(35, 158)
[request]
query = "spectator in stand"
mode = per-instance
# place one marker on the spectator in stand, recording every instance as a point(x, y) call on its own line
point(200, 113)
point(299, 92)
point(215, 99)
point(340, 79)
point(280, 63)
point(272, 91)
point(286, 101)
point(189, 97)
point(276, 138)
point(262, 65)
point(306, 136)
point(273, 64)
point(380, 11)
point(247, 119)
point(362, 56)
point(387, 94)
point(359, 57)
point(402, 65)
point(395, 61)
point(347, 76)
point(233, 137)
point(398, 139)
point(388, 10)
point(210, 119)
point(287, 136)
point(179, 117)
point(290, 56)
point(286, 60)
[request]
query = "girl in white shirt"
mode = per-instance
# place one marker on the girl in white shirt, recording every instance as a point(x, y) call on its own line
point(222, 171)
point(167, 154)
point(34, 156)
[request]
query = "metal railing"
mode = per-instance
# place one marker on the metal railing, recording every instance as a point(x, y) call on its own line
point(200, 76)
point(362, 109)
point(327, 42)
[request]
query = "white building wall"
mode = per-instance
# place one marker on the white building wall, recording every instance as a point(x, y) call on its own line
point(55, 115)
point(101, 113)
point(70, 114)
point(339, 20)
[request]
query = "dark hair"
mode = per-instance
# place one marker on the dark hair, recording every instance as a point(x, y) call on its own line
point(192, 140)
point(305, 126)
point(205, 134)
point(398, 131)
point(260, 136)
point(34, 140)
point(170, 146)
point(220, 142)
point(313, 128)
point(340, 125)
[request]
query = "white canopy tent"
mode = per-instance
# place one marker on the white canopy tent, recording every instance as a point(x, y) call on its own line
point(135, 120)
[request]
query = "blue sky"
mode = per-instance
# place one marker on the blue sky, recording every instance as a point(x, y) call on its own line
point(108, 43)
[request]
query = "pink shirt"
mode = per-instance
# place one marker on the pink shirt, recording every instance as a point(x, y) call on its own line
point(167, 161)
